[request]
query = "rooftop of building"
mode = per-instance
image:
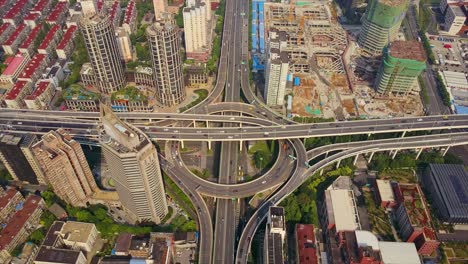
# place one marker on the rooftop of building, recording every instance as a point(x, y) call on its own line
point(31, 37)
point(31, 16)
point(16, 90)
point(398, 253)
point(33, 65)
point(41, 87)
point(6, 198)
point(57, 255)
point(385, 190)
point(145, 70)
point(277, 217)
point(18, 220)
point(116, 260)
point(15, 34)
point(414, 204)
point(139, 243)
point(53, 234)
point(113, 10)
point(457, 10)
point(14, 64)
point(58, 211)
point(160, 250)
point(342, 183)
point(77, 92)
point(342, 210)
point(41, 4)
point(451, 181)
point(129, 93)
point(455, 79)
point(60, 7)
point(4, 27)
point(77, 231)
point(14, 11)
point(185, 236)
point(129, 12)
point(67, 37)
point(306, 244)
point(49, 36)
point(123, 242)
point(410, 50)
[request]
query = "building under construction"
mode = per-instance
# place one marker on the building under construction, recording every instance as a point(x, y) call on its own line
point(402, 63)
point(380, 24)
point(315, 39)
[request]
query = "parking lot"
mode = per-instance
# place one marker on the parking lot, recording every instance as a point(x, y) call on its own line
point(451, 54)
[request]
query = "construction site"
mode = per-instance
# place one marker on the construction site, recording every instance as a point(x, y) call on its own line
point(327, 76)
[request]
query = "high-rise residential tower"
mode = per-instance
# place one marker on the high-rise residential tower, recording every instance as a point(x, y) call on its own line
point(196, 29)
point(402, 63)
point(15, 154)
point(380, 24)
point(65, 167)
point(160, 7)
point(103, 50)
point(164, 44)
point(134, 166)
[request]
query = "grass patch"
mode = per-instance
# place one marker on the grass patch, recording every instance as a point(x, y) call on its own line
point(205, 174)
point(202, 94)
point(111, 182)
point(399, 175)
point(176, 193)
point(263, 153)
point(168, 216)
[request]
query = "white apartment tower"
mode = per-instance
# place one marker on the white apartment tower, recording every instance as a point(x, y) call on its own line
point(103, 51)
point(195, 27)
point(164, 44)
point(160, 7)
point(276, 73)
point(125, 44)
point(134, 166)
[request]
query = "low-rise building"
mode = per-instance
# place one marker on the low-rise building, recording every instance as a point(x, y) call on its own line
point(41, 97)
point(87, 74)
point(196, 76)
point(51, 40)
point(27, 255)
point(15, 97)
point(47, 255)
point(129, 21)
point(28, 45)
point(21, 224)
point(32, 19)
point(144, 76)
point(66, 45)
point(35, 68)
point(455, 19)
point(6, 29)
point(10, 201)
point(42, 7)
point(275, 235)
point(14, 68)
point(448, 186)
point(16, 12)
point(385, 195)
point(306, 246)
point(79, 235)
point(11, 45)
point(414, 220)
point(125, 44)
point(58, 14)
point(79, 99)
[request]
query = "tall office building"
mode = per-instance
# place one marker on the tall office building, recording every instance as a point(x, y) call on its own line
point(15, 154)
point(103, 50)
point(134, 166)
point(160, 7)
point(164, 44)
point(276, 72)
point(195, 28)
point(65, 167)
point(380, 24)
point(403, 62)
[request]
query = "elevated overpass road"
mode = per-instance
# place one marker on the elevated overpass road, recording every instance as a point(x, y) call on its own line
point(302, 174)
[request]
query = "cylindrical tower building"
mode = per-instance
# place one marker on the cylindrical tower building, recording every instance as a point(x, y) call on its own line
point(402, 63)
point(164, 44)
point(380, 24)
point(103, 51)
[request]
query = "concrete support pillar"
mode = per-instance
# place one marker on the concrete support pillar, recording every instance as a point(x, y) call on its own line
point(355, 159)
point(182, 144)
point(321, 172)
point(240, 145)
point(394, 154)
point(368, 135)
point(209, 144)
point(207, 124)
point(419, 153)
point(404, 133)
point(445, 151)
point(194, 123)
point(305, 140)
point(338, 164)
point(371, 156)
point(90, 147)
point(326, 154)
point(150, 120)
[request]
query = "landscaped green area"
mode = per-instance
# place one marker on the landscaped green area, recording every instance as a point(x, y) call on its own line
point(212, 64)
point(76, 91)
point(263, 154)
point(79, 57)
point(176, 193)
point(205, 173)
point(382, 161)
point(202, 94)
point(378, 219)
point(129, 93)
point(399, 175)
point(170, 211)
